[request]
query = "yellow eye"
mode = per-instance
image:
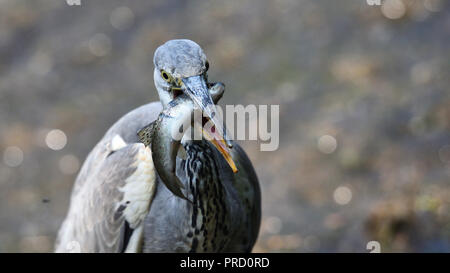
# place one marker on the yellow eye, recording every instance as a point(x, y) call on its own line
point(166, 76)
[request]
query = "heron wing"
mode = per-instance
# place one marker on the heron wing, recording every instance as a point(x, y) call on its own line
point(247, 185)
point(113, 190)
point(106, 214)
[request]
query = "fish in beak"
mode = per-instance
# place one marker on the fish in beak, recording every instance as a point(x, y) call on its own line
point(197, 89)
point(165, 134)
point(160, 134)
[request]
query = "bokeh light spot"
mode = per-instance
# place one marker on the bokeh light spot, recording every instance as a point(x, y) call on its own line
point(275, 242)
point(13, 156)
point(393, 9)
point(333, 221)
point(56, 139)
point(293, 241)
point(69, 164)
point(100, 45)
point(342, 195)
point(433, 5)
point(121, 18)
point(273, 225)
point(327, 144)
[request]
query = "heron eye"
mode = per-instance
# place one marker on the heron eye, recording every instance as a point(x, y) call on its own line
point(166, 76)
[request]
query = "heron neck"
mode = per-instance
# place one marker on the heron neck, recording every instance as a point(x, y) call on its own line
point(202, 171)
point(210, 213)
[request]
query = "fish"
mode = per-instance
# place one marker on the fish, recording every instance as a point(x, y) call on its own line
point(159, 135)
point(165, 133)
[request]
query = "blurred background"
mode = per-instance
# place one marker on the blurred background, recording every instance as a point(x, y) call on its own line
point(364, 101)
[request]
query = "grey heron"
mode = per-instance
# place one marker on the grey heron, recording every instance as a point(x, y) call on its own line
point(139, 190)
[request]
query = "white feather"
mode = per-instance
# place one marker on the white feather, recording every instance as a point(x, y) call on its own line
point(139, 188)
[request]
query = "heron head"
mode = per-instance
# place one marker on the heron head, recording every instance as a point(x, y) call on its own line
point(181, 68)
point(175, 61)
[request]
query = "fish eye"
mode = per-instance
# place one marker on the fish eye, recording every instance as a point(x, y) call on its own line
point(166, 76)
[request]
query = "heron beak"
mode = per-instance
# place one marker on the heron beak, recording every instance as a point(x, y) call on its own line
point(196, 88)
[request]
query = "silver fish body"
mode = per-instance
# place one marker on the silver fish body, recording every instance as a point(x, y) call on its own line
point(166, 137)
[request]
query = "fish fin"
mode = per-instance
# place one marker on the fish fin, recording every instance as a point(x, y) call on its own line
point(145, 134)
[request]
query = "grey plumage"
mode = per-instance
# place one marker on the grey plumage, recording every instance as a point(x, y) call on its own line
point(120, 203)
point(94, 221)
point(182, 58)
